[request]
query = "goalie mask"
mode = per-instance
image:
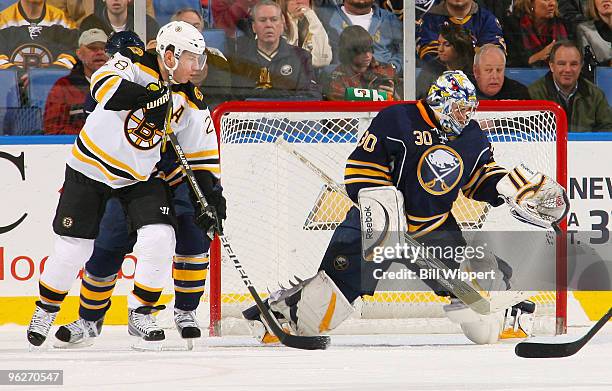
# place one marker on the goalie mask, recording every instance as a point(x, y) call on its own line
point(180, 37)
point(453, 98)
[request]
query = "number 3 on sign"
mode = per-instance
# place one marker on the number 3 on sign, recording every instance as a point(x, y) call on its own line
point(368, 141)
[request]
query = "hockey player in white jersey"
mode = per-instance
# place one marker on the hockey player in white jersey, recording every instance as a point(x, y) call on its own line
point(114, 156)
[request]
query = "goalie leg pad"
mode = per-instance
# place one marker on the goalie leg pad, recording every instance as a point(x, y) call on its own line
point(314, 306)
point(383, 220)
point(519, 321)
point(480, 329)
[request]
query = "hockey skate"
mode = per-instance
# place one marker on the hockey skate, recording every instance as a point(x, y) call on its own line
point(78, 334)
point(41, 322)
point(187, 326)
point(142, 324)
point(258, 327)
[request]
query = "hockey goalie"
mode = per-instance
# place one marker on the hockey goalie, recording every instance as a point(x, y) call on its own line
point(412, 162)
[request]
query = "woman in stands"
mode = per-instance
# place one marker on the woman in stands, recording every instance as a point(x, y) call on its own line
point(455, 52)
point(597, 31)
point(304, 29)
point(531, 32)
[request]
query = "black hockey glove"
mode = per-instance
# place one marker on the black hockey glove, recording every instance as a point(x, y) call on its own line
point(211, 217)
point(155, 105)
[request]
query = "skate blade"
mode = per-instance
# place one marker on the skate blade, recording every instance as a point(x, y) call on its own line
point(38, 349)
point(147, 346)
point(87, 342)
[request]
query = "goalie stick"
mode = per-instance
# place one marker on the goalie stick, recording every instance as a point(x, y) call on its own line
point(462, 290)
point(293, 341)
point(564, 349)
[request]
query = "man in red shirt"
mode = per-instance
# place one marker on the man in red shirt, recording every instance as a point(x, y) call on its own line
point(64, 108)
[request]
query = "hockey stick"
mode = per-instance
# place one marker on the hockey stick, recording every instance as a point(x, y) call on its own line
point(565, 349)
point(462, 290)
point(293, 341)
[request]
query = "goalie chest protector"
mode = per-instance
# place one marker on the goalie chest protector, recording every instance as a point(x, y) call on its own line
point(403, 146)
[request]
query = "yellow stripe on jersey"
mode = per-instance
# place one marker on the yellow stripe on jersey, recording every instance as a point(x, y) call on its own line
point(106, 86)
point(208, 153)
point(100, 76)
point(216, 170)
point(189, 102)
point(148, 70)
point(107, 158)
point(367, 164)
point(367, 172)
point(77, 154)
point(367, 180)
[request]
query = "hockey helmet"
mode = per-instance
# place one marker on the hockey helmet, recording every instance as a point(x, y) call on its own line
point(453, 97)
point(179, 37)
point(121, 40)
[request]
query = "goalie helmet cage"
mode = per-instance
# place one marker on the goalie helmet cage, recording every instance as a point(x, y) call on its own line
point(281, 216)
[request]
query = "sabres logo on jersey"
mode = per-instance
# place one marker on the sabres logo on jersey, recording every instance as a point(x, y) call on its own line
point(139, 133)
point(440, 169)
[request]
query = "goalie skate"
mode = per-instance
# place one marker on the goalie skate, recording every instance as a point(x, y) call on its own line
point(78, 334)
point(142, 324)
point(259, 329)
point(41, 322)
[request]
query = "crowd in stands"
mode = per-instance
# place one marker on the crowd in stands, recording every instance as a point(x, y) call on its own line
point(313, 50)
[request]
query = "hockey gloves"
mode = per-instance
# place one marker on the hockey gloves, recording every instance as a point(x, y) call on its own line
point(211, 217)
point(155, 105)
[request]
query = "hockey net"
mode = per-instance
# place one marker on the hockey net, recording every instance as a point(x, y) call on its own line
point(281, 215)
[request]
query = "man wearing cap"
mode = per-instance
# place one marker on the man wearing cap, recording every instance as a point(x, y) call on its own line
point(64, 108)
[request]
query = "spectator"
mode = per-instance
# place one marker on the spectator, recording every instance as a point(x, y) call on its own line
point(64, 108)
point(383, 26)
point(584, 103)
point(491, 83)
point(115, 16)
point(500, 8)
point(215, 78)
point(77, 10)
point(36, 35)
point(532, 31)
point(304, 30)
point(481, 23)
point(358, 68)
point(267, 66)
point(455, 52)
point(597, 32)
point(573, 11)
point(232, 16)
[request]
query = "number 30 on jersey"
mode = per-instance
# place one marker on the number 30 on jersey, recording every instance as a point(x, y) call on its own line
point(368, 141)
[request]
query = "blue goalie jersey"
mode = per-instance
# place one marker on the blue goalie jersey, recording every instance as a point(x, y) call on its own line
point(405, 147)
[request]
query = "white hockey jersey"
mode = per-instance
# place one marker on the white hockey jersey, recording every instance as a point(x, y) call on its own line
point(119, 148)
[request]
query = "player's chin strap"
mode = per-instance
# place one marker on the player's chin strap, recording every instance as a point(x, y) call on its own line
point(533, 197)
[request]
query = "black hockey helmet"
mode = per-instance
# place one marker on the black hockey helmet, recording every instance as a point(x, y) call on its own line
point(121, 40)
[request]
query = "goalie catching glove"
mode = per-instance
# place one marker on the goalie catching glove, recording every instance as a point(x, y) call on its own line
point(534, 197)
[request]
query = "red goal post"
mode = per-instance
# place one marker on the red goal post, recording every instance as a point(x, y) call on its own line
point(546, 120)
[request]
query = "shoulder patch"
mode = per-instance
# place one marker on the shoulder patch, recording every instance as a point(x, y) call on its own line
point(198, 93)
point(193, 94)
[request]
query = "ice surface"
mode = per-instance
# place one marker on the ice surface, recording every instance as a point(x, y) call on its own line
point(381, 362)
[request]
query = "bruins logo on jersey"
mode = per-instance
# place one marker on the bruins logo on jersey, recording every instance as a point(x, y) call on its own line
point(32, 56)
point(440, 169)
point(141, 134)
point(198, 93)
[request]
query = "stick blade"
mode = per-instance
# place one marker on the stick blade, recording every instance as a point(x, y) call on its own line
point(305, 343)
point(546, 350)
